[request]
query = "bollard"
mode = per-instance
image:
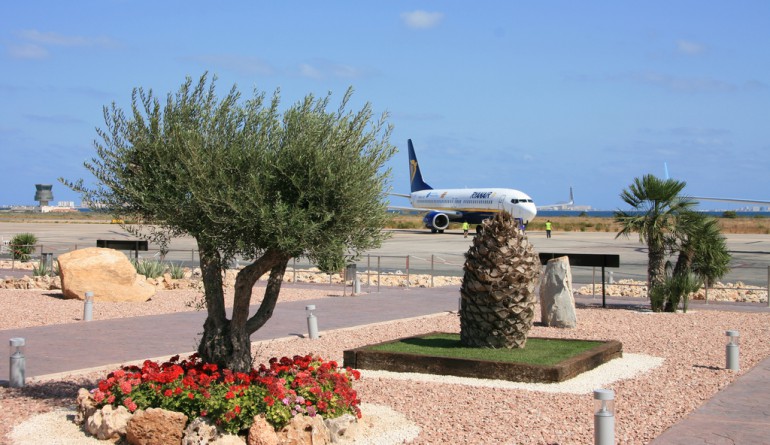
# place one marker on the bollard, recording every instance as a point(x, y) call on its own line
point(88, 307)
point(732, 351)
point(18, 363)
point(604, 417)
point(312, 322)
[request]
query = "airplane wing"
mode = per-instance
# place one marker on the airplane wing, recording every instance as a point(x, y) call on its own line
point(709, 198)
point(741, 200)
point(415, 210)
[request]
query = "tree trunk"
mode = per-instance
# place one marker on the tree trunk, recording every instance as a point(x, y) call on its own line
point(226, 342)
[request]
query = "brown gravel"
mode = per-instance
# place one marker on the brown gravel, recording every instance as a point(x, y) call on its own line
point(692, 345)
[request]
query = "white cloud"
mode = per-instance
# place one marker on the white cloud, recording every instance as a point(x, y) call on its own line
point(54, 39)
point(422, 19)
point(689, 48)
point(34, 44)
point(27, 51)
point(307, 70)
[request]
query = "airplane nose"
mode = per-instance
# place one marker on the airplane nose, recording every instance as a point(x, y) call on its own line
point(529, 211)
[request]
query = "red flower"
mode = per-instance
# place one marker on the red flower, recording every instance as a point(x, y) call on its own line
point(269, 400)
point(229, 395)
point(168, 393)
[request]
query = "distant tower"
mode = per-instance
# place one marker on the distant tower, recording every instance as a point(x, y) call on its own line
point(43, 194)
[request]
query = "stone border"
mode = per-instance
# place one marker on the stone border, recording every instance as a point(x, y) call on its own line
point(365, 358)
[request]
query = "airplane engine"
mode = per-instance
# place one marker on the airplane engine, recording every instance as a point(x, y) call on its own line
point(436, 221)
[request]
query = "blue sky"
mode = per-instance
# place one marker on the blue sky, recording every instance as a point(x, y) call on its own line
point(537, 96)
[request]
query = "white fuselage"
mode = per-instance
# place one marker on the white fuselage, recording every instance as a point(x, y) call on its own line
point(457, 202)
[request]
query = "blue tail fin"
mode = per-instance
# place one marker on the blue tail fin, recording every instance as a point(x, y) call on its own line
point(415, 177)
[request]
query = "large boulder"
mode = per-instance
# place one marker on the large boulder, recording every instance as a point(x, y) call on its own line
point(155, 426)
point(106, 272)
point(557, 304)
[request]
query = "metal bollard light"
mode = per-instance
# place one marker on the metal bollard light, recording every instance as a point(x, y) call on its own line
point(732, 351)
point(88, 307)
point(312, 322)
point(604, 417)
point(18, 363)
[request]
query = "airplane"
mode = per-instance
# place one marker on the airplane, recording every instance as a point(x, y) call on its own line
point(471, 205)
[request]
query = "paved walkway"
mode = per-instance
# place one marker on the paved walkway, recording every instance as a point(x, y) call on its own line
point(739, 414)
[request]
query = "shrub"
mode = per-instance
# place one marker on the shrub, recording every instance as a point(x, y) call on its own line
point(176, 270)
point(283, 389)
point(150, 269)
point(22, 246)
point(43, 270)
point(732, 214)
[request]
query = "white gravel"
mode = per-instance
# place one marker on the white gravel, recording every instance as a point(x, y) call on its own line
point(684, 353)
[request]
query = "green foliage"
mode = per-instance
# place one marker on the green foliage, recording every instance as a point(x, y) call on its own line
point(244, 179)
point(154, 269)
point(149, 268)
point(176, 270)
point(655, 204)
point(43, 270)
point(23, 245)
point(674, 291)
point(732, 214)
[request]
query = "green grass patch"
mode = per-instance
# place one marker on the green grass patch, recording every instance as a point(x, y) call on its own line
point(538, 351)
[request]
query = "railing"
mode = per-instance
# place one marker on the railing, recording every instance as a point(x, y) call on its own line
point(409, 267)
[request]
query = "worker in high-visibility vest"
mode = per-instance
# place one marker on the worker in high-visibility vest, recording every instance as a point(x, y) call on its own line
point(548, 229)
point(465, 229)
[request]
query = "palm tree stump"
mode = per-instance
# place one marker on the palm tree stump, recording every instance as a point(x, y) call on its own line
point(498, 288)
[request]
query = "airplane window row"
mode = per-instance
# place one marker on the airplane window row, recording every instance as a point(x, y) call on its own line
point(516, 201)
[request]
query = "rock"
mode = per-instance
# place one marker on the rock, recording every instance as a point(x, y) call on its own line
point(228, 439)
point(345, 426)
point(201, 431)
point(305, 430)
point(557, 304)
point(108, 423)
point(106, 272)
point(262, 433)
point(155, 426)
point(86, 406)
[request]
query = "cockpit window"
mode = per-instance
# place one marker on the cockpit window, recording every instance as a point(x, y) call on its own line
point(514, 201)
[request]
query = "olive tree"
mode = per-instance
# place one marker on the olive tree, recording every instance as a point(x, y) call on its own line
point(247, 180)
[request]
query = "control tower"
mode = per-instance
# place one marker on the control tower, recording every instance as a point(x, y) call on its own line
point(43, 194)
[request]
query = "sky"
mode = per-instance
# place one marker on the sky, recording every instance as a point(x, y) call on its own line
point(535, 96)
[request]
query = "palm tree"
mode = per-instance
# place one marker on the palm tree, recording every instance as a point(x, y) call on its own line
point(656, 203)
point(702, 248)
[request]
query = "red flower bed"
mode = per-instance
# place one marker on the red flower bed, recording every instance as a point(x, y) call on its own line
point(282, 389)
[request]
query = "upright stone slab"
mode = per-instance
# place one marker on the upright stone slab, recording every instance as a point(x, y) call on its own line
point(106, 272)
point(557, 304)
